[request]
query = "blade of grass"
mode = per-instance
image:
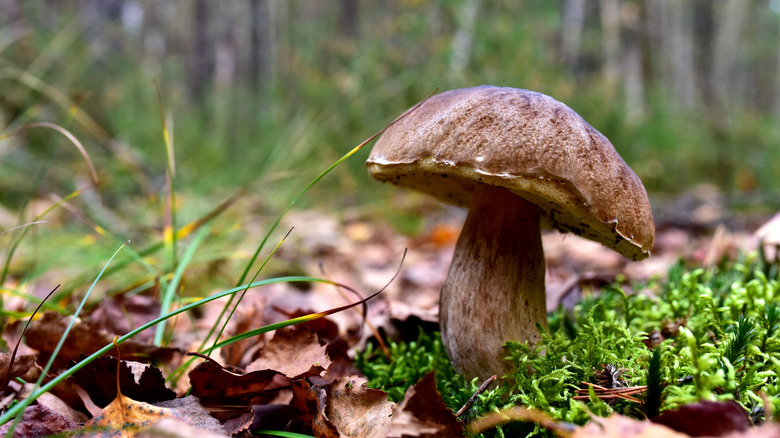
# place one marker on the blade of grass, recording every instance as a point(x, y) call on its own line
point(22, 226)
point(44, 373)
point(282, 434)
point(238, 301)
point(170, 292)
point(64, 132)
point(169, 229)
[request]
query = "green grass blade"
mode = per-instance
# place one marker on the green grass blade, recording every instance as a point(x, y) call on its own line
point(170, 292)
point(26, 402)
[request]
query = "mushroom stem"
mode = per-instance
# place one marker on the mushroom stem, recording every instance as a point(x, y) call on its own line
point(494, 291)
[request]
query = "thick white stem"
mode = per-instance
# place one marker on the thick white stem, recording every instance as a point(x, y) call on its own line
point(494, 291)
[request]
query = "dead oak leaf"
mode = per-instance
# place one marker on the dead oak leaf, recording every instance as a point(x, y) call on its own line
point(295, 353)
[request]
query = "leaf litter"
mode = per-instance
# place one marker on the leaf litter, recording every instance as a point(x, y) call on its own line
point(303, 379)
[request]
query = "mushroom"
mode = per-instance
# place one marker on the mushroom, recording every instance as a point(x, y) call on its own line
point(517, 159)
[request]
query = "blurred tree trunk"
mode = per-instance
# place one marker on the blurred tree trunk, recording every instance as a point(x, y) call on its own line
point(728, 23)
point(610, 42)
point(632, 68)
point(201, 51)
point(348, 18)
point(464, 36)
point(571, 31)
point(673, 20)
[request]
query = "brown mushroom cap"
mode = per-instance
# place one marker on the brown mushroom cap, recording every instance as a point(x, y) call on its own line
point(528, 143)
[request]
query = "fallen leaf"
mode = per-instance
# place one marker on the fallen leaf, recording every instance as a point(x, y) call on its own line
point(167, 428)
point(121, 313)
point(44, 334)
point(229, 396)
point(39, 420)
point(357, 410)
point(618, 426)
point(214, 385)
point(244, 319)
point(21, 365)
point(706, 418)
point(310, 402)
point(295, 353)
point(422, 413)
point(125, 417)
point(56, 404)
point(141, 382)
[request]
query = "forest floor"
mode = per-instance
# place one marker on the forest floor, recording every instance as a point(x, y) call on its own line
point(304, 378)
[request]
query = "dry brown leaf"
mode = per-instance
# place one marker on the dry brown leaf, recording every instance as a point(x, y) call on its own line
point(357, 410)
point(422, 413)
point(39, 420)
point(141, 382)
point(21, 365)
point(229, 396)
point(296, 353)
point(216, 386)
point(125, 417)
point(44, 334)
point(618, 426)
point(244, 319)
point(708, 418)
point(121, 313)
point(310, 402)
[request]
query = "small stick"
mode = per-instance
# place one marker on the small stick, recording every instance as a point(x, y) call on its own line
point(473, 398)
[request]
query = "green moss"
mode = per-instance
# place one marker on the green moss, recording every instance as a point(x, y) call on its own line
point(718, 331)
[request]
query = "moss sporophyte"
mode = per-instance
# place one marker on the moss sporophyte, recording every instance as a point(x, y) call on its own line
point(724, 346)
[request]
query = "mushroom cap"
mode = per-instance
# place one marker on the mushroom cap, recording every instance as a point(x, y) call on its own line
point(528, 143)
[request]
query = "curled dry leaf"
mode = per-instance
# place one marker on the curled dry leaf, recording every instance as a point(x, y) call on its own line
point(229, 396)
point(216, 386)
point(422, 413)
point(20, 367)
point(98, 379)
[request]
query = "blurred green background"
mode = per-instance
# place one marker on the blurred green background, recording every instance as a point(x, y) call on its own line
point(265, 94)
point(687, 90)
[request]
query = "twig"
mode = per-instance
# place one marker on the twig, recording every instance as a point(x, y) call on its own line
point(611, 393)
point(473, 398)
